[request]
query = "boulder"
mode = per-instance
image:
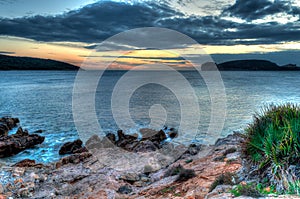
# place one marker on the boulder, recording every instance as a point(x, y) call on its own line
point(14, 144)
point(70, 147)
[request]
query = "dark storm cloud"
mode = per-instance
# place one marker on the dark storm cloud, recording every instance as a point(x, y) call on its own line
point(257, 9)
point(96, 22)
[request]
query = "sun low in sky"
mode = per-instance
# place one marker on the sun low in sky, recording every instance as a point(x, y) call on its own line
point(69, 31)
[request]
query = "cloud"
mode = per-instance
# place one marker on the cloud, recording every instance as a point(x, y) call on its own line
point(92, 23)
point(258, 9)
point(96, 22)
point(7, 52)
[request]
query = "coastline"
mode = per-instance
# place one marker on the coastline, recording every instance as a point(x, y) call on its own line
point(111, 172)
point(127, 167)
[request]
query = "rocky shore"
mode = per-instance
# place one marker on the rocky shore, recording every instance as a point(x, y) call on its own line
point(128, 166)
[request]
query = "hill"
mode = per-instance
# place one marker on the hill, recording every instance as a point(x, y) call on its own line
point(250, 65)
point(29, 63)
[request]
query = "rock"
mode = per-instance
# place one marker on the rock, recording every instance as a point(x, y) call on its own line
point(145, 179)
point(173, 134)
point(127, 142)
point(14, 144)
point(232, 156)
point(130, 177)
point(152, 135)
point(193, 149)
point(20, 132)
point(219, 190)
point(234, 139)
point(3, 129)
point(125, 189)
point(111, 137)
point(27, 163)
point(94, 142)
point(147, 133)
point(38, 131)
point(148, 169)
point(74, 158)
point(7, 124)
point(145, 146)
point(121, 135)
point(139, 183)
point(70, 147)
point(81, 150)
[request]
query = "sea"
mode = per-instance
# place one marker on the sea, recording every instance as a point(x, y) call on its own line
point(45, 100)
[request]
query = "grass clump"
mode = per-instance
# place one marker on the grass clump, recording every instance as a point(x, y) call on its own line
point(273, 144)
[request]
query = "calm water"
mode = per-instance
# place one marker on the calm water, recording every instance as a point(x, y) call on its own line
point(43, 100)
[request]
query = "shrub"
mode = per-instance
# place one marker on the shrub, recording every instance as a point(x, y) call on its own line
point(273, 143)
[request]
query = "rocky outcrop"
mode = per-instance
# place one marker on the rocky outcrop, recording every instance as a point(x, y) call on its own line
point(72, 147)
point(7, 124)
point(150, 141)
point(21, 140)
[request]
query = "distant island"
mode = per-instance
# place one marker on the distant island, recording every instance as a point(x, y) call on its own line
point(250, 65)
point(30, 63)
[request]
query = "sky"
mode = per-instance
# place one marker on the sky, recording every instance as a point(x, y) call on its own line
point(70, 30)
